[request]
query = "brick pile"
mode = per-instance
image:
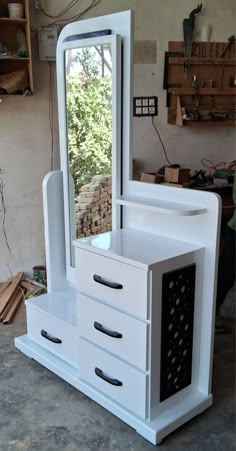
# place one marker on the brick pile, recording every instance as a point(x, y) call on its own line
point(93, 208)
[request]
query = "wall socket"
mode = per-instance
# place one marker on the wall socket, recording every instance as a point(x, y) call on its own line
point(145, 106)
point(39, 4)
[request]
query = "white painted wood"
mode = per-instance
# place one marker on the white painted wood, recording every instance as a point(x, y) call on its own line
point(203, 230)
point(133, 343)
point(154, 430)
point(39, 320)
point(120, 24)
point(132, 393)
point(135, 247)
point(149, 244)
point(160, 206)
point(134, 281)
point(54, 231)
point(61, 305)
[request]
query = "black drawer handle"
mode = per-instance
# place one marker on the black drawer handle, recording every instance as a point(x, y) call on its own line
point(102, 329)
point(100, 374)
point(115, 285)
point(50, 338)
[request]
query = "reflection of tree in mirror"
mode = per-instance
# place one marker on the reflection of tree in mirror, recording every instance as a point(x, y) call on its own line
point(89, 116)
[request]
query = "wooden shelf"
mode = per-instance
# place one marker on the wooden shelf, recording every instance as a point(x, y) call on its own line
point(14, 58)
point(202, 91)
point(13, 63)
point(211, 123)
point(202, 61)
point(12, 21)
point(209, 68)
point(160, 206)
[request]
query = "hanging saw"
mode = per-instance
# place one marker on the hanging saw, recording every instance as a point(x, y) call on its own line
point(188, 27)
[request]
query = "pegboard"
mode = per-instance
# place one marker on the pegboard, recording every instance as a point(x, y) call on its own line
point(216, 96)
point(178, 288)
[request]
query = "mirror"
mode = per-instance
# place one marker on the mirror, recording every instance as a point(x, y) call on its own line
point(88, 72)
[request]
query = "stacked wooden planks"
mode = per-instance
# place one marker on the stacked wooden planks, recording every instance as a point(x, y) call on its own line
point(11, 295)
point(13, 292)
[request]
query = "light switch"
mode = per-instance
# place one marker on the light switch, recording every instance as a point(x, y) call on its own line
point(152, 110)
point(145, 106)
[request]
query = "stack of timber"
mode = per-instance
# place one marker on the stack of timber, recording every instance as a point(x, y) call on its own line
point(11, 295)
point(13, 292)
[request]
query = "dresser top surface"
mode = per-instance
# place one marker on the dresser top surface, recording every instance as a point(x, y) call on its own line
point(59, 304)
point(135, 247)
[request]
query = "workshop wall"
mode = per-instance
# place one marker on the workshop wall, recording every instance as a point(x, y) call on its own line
point(25, 144)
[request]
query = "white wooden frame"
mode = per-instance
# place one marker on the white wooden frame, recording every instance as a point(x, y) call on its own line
point(120, 25)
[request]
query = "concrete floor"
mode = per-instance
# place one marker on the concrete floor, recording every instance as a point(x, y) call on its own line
point(39, 411)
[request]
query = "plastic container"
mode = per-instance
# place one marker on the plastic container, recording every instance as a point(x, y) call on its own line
point(15, 10)
point(21, 43)
point(40, 274)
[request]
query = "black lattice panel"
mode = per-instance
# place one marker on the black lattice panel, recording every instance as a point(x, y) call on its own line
point(178, 289)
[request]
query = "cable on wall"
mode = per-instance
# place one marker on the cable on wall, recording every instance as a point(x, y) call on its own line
point(163, 147)
point(51, 113)
point(64, 11)
point(3, 209)
point(64, 21)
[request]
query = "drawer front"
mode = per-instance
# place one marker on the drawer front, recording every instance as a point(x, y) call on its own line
point(115, 379)
point(116, 332)
point(131, 294)
point(52, 334)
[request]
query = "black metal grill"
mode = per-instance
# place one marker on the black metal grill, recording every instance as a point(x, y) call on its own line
point(178, 288)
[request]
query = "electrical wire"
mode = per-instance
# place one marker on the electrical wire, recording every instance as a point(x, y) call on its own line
point(76, 16)
point(64, 21)
point(64, 11)
point(3, 209)
point(163, 147)
point(230, 165)
point(51, 113)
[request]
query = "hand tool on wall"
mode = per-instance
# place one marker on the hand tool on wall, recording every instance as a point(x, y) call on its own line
point(222, 77)
point(196, 94)
point(188, 27)
point(231, 39)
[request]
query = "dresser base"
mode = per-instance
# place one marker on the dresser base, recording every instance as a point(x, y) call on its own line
point(154, 431)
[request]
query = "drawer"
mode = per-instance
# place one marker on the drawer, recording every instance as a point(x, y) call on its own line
point(131, 293)
point(52, 333)
point(116, 332)
point(121, 382)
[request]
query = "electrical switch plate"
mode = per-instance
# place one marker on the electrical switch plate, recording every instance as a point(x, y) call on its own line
point(145, 106)
point(39, 4)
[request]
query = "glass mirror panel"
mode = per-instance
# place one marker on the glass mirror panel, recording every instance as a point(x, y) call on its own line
point(89, 139)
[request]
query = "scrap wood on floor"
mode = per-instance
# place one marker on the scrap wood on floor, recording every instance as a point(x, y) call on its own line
point(13, 292)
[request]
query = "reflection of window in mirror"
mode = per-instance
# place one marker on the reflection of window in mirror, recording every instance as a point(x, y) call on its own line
point(89, 130)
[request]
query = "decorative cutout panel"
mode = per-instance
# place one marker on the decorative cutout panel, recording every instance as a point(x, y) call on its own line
point(178, 288)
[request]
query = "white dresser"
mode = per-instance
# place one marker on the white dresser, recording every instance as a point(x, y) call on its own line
point(120, 305)
point(128, 331)
point(129, 315)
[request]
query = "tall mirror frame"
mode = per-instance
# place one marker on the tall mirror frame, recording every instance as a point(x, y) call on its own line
point(121, 27)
